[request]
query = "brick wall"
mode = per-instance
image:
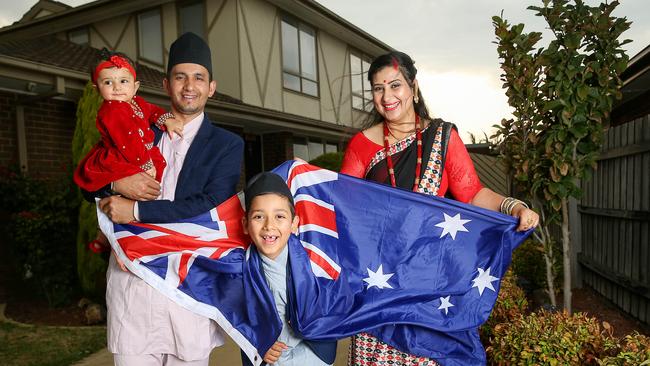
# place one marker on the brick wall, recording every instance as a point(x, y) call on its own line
point(49, 127)
point(8, 147)
point(277, 148)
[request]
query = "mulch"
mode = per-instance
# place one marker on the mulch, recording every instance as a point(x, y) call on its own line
point(39, 313)
point(588, 301)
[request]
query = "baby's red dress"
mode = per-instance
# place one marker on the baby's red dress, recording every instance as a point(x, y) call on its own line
point(126, 145)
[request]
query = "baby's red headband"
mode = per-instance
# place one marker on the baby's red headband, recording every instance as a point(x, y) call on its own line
point(113, 61)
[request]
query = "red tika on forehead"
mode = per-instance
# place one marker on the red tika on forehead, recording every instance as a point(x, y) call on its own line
point(395, 63)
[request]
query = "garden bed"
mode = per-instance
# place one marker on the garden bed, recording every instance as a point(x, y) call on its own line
point(588, 301)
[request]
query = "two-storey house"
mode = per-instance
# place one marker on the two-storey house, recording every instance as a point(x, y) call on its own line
point(290, 73)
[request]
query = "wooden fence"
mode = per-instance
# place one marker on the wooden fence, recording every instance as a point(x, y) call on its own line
point(490, 169)
point(615, 220)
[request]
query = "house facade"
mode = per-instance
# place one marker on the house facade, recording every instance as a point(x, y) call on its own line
point(290, 73)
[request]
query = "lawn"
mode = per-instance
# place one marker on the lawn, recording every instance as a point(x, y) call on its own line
point(48, 346)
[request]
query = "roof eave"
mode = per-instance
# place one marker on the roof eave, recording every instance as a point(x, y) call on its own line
point(230, 112)
point(74, 17)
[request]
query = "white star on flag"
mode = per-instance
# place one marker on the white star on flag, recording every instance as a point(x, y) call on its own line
point(452, 225)
point(445, 304)
point(484, 280)
point(378, 278)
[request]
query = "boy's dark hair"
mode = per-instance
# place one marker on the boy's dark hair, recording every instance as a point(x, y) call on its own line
point(266, 183)
point(104, 55)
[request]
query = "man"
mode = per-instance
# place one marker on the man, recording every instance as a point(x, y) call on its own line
point(145, 327)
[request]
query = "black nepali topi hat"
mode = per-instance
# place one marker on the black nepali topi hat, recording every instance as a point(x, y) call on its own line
point(192, 49)
point(265, 183)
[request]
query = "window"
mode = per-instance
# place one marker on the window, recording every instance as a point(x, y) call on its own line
point(79, 36)
point(361, 92)
point(312, 148)
point(301, 151)
point(316, 149)
point(191, 18)
point(331, 148)
point(300, 72)
point(150, 36)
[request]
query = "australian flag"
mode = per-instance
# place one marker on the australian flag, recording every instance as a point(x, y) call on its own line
point(420, 273)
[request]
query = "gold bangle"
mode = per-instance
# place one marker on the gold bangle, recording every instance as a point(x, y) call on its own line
point(509, 203)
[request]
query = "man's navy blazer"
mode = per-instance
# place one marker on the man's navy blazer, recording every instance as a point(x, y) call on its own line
point(209, 176)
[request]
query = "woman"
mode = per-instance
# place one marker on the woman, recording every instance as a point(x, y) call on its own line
point(406, 148)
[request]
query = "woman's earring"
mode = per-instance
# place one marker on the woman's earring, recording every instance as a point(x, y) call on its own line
point(416, 100)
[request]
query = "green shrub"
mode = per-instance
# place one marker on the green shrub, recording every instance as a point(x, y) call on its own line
point(528, 262)
point(330, 161)
point(634, 351)
point(41, 229)
point(91, 268)
point(511, 304)
point(549, 338)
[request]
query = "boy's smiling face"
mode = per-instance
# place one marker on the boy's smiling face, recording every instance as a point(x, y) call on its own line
point(269, 223)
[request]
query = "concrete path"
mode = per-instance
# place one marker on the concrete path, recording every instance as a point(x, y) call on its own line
point(227, 355)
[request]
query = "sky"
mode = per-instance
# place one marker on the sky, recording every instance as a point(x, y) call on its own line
point(451, 42)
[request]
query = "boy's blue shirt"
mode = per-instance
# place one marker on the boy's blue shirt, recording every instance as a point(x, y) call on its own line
point(274, 274)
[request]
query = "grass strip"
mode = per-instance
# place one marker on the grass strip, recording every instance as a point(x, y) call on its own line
point(48, 346)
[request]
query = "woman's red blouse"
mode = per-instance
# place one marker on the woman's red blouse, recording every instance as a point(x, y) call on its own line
point(458, 176)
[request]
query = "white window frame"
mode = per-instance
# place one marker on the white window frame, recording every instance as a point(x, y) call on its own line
point(366, 93)
point(302, 77)
point(141, 55)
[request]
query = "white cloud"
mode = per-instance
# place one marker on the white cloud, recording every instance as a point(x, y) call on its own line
point(474, 101)
point(4, 21)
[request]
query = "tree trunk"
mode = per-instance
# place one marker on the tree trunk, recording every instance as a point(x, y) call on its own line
point(543, 236)
point(548, 258)
point(566, 251)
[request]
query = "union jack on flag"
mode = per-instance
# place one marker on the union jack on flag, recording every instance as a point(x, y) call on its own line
point(419, 272)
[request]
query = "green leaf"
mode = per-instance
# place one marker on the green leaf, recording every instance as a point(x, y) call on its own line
point(522, 177)
point(583, 92)
point(553, 105)
point(579, 130)
point(556, 204)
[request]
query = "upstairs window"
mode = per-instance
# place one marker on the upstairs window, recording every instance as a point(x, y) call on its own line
point(361, 92)
point(300, 70)
point(191, 18)
point(150, 46)
point(79, 36)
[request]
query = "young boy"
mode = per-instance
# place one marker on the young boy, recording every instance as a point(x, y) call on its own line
point(270, 220)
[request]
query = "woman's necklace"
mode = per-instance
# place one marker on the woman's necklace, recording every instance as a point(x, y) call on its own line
point(389, 159)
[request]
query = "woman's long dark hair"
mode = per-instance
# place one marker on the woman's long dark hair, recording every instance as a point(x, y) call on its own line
point(407, 67)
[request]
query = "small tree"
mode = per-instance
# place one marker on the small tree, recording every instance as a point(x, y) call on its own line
point(91, 268)
point(562, 96)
